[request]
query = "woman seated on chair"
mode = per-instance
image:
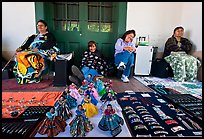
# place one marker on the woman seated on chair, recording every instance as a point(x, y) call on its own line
point(176, 53)
point(31, 57)
point(92, 65)
point(124, 54)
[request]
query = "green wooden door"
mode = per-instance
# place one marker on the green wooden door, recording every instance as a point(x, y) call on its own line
point(74, 24)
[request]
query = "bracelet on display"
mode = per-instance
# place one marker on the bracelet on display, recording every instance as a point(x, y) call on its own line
point(130, 111)
point(140, 126)
point(123, 99)
point(136, 120)
point(156, 127)
point(142, 109)
point(144, 112)
point(149, 135)
point(169, 122)
point(153, 123)
point(136, 102)
point(133, 115)
point(171, 106)
point(160, 132)
point(166, 117)
point(150, 120)
point(180, 112)
point(133, 98)
point(128, 108)
point(177, 128)
point(147, 115)
point(139, 107)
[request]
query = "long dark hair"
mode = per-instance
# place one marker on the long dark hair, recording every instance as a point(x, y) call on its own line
point(128, 32)
point(43, 21)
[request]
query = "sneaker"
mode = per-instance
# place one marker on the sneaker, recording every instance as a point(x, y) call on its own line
point(77, 73)
point(121, 66)
point(125, 79)
point(75, 80)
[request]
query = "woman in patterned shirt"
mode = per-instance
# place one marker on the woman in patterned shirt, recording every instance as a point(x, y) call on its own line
point(92, 65)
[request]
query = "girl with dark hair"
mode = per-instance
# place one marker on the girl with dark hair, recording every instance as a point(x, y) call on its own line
point(176, 53)
point(80, 124)
point(31, 57)
point(124, 53)
point(92, 65)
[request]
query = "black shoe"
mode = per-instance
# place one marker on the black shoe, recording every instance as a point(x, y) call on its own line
point(75, 80)
point(77, 73)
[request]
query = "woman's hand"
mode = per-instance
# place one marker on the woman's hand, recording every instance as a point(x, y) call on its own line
point(35, 50)
point(18, 49)
point(129, 49)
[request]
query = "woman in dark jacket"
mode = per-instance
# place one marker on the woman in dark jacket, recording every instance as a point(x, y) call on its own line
point(176, 53)
point(177, 43)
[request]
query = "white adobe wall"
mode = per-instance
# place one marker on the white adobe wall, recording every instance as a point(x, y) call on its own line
point(158, 19)
point(18, 22)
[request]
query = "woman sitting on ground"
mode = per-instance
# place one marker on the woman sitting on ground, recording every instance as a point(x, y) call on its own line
point(92, 65)
point(124, 54)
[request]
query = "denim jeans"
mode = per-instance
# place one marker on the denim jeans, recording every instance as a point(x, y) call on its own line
point(127, 58)
point(86, 71)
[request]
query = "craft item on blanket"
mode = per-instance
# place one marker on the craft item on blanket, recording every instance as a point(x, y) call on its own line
point(90, 108)
point(89, 79)
point(80, 124)
point(90, 92)
point(110, 99)
point(104, 92)
point(99, 85)
point(95, 92)
point(110, 121)
point(30, 65)
point(83, 87)
point(52, 125)
point(71, 101)
point(63, 109)
point(73, 91)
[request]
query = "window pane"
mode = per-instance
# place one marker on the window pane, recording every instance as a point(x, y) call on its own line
point(105, 27)
point(73, 11)
point(61, 25)
point(93, 26)
point(73, 26)
point(106, 14)
point(93, 14)
point(60, 11)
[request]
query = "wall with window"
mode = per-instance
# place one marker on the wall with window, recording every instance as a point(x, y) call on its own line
point(18, 22)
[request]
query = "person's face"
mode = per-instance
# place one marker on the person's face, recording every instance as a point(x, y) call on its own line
point(109, 107)
point(92, 48)
point(52, 110)
point(61, 98)
point(129, 37)
point(41, 27)
point(179, 33)
point(79, 107)
point(66, 89)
